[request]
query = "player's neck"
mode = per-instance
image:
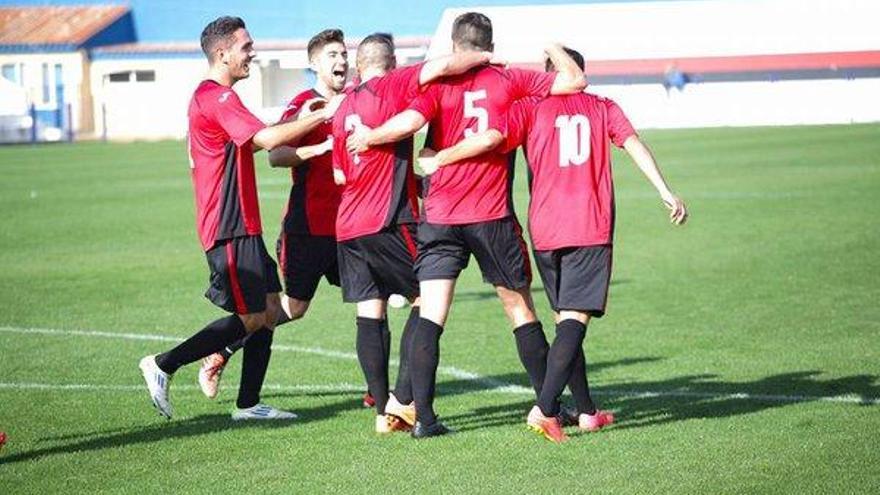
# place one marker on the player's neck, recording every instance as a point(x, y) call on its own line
point(368, 74)
point(326, 91)
point(221, 77)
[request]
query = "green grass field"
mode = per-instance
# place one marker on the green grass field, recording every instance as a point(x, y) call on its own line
point(741, 353)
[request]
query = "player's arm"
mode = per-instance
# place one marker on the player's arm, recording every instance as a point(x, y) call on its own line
point(279, 134)
point(570, 78)
point(450, 65)
point(401, 126)
point(644, 159)
point(293, 156)
point(484, 142)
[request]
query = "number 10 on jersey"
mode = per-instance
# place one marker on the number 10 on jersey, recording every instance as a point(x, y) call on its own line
point(574, 139)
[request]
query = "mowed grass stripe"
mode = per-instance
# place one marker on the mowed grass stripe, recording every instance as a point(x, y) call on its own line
point(494, 385)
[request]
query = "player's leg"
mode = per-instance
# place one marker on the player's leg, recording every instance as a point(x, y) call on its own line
point(391, 258)
point(372, 337)
point(226, 292)
point(501, 253)
point(261, 284)
point(581, 294)
point(442, 256)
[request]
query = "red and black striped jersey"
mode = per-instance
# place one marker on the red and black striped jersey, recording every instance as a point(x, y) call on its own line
point(222, 164)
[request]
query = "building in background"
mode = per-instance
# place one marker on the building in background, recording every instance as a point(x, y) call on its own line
point(79, 71)
point(44, 58)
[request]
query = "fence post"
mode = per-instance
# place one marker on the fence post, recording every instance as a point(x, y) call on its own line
point(33, 123)
point(104, 122)
point(69, 111)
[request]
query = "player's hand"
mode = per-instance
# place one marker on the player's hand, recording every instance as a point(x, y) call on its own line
point(325, 147)
point(332, 106)
point(310, 107)
point(678, 213)
point(357, 142)
point(495, 59)
point(428, 161)
point(338, 177)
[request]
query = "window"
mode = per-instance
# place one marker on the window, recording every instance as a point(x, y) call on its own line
point(132, 76)
point(145, 75)
point(47, 90)
point(118, 77)
point(9, 73)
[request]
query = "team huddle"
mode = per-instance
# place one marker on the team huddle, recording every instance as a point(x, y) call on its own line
point(360, 217)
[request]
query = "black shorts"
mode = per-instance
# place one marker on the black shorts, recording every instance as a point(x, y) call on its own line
point(242, 274)
point(378, 265)
point(304, 260)
point(498, 246)
point(576, 278)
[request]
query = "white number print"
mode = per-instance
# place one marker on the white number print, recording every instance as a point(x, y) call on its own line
point(574, 139)
point(352, 123)
point(474, 112)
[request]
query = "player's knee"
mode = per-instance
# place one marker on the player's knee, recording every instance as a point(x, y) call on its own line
point(253, 321)
point(295, 308)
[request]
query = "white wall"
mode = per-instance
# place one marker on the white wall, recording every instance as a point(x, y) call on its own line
point(836, 101)
point(622, 31)
point(72, 67)
point(154, 110)
point(708, 28)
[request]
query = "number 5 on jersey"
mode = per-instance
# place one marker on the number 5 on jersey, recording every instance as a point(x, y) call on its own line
point(472, 111)
point(574, 139)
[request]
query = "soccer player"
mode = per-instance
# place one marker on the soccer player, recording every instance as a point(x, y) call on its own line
point(571, 222)
point(376, 224)
point(467, 207)
point(223, 136)
point(306, 247)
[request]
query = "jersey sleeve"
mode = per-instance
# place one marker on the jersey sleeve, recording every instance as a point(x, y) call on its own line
point(525, 83)
point(339, 137)
point(403, 83)
point(235, 118)
point(428, 103)
point(619, 126)
point(518, 121)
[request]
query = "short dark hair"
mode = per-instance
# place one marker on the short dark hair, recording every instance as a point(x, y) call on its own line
point(574, 54)
point(377, 50)
point(472, 30)
point(324, 38)
point(219, 30)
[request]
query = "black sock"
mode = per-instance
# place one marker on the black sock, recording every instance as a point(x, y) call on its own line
point(423, 360)
point(232, 348)
point(579, 386)
point(373, 360)
point(207, 341)
point(531, 344)
point(257, 351)
point(560, 361)
point(403, 387)
point(385, 332)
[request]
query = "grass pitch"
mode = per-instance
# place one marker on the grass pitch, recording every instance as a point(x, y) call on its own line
point(740, 353)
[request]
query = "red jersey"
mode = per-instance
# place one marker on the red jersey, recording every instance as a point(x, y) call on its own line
point(478, 189)
point(566, 143)
point(314, 197)
point(380, 188)
point(222, 164)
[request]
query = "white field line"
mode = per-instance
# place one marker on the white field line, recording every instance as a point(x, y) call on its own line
point(493, 385)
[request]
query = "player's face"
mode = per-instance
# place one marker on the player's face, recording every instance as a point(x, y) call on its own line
point(240, 54)
point(331, 65)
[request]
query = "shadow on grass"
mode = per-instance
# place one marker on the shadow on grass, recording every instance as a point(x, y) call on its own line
point(192, 427)
point(484, 294)
point(642, 404)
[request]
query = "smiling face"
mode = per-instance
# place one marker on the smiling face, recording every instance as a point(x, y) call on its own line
point(330, 63)
point(237, 57)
